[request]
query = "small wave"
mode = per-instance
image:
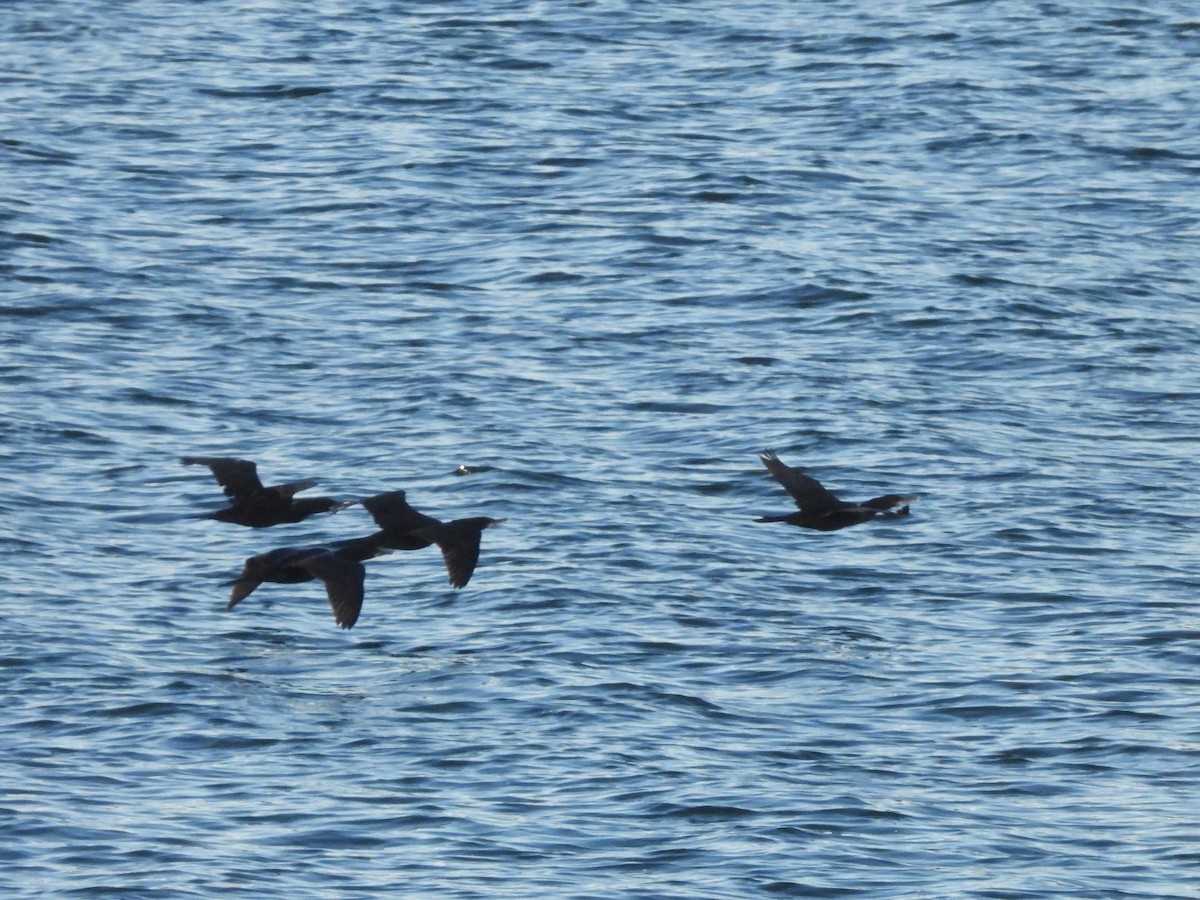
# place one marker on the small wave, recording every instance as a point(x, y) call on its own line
point(267, 92)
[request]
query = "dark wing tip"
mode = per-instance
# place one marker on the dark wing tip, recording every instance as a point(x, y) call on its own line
point(774, 464)
point(242, 588)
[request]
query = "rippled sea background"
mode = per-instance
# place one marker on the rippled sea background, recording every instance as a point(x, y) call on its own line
point(603, 253)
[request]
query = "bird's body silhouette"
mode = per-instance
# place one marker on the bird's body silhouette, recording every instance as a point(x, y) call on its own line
point(339, 566)
point(254, 505)
point(404, 528)
point(822, 510)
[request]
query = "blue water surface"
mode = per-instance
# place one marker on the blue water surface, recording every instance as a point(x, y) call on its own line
point(601, 254)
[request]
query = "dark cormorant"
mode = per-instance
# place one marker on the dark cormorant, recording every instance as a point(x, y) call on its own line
point(403, 528)
point(819, 508)
point(255, 506)
point(339, 566)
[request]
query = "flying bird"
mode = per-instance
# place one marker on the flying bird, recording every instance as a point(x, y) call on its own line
point(255, 506)
point(819, 508)
point(339, 566)
point(404, 528)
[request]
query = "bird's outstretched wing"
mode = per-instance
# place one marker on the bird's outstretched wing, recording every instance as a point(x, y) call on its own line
point(808, 493)
point(238, 477)
point(343, 580)
point(274, 565)
point(244, 585)
point(460, 550)
point(459, 543)
point(392, 512)
point(289, 490)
